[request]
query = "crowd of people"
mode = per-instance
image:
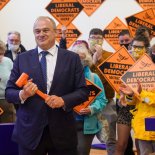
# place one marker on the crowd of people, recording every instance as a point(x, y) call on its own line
point(50, 125)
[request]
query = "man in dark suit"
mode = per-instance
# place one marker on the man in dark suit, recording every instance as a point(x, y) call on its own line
point(47, 126)
point(14, 45)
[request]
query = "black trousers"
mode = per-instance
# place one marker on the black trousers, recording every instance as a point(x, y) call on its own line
point(129, 148)
point(46, 146)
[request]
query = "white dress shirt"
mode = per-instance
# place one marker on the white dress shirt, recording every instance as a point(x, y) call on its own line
point(51, 59)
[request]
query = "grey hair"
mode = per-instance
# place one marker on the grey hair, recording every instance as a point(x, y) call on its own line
point(50, 19)
point(14, 32)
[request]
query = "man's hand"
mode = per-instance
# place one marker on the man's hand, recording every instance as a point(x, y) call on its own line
point(122, 99)
point(98, 54)
point(63, 31)
point(28, 90)
point(126, 90)
point(54, 101)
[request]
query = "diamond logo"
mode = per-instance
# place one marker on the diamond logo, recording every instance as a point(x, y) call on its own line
point(64, 11)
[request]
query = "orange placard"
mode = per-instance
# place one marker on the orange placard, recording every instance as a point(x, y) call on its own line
point(90, 6)
point(94, 91)
point(112, 31)
point(72, 34)
point(143, 71)
point(3, 3)
point(147, 4)
point(64, 11)
point(1, 111)
point(115, 66)
point(144, 18)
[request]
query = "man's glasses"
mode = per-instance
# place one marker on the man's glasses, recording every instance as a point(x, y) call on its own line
point(14, 41)
point(95, 38)
point(138, 47)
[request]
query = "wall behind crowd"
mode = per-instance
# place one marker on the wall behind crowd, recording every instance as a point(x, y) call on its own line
point(20, 15)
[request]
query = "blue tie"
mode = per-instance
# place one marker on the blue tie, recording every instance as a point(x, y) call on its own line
point(44, 66)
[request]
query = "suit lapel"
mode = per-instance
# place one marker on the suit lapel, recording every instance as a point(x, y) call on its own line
point(36, 70)
point(60, 63)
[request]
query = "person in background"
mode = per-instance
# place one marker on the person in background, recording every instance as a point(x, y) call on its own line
point(144, 108)
point(6, 65)
point(125, 39)
point(14, 45)
point(143, 30)
point(87, 120)
point(63, 41)
point(99, 55)
point(47, 126)
point(139, 46)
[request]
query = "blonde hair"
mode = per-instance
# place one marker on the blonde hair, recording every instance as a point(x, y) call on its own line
point(2, 47)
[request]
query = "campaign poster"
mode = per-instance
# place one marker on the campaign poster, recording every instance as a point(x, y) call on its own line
point(94, 91)
point(147, 4)
point(115, 66)
point(64, 11)
point(144, 18)
point(112, 31)
point(72, 34)
point(143, 71)
point(3, 3)
point(90, 6)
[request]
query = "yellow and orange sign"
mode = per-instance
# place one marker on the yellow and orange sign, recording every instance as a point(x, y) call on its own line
point(143, 71)
point(94, 91)
point(72, 34)
point(147, 4)
point(144, 18)
point(112, 31)
point(90, 6)
point(3, 3)
point(64, 11)
point(115, 66)
point(1, 111)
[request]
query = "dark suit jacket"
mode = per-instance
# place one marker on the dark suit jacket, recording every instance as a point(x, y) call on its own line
point(34, 114)
point(8, 53)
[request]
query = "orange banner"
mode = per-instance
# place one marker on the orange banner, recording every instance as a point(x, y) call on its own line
point(1, 111)
point(147, 4)
point(143, 71)
point(72, 34)
point(115, 66)
point(64, 11)
point(112, 31)
point(90, 6)
point(94, 91)
point(144, 18)
point(3, 3)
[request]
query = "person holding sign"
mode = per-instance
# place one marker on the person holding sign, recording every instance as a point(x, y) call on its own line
point(87, 120)
point(125, 39)
point(145, 108)
point(99, 55)
point(139, 46)
point(47, 126)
